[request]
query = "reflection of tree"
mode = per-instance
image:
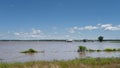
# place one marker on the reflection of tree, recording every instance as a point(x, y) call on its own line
point(1, 60)
point(82, 54)
point(30, 54)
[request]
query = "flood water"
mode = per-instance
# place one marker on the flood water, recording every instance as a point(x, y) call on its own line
point(10, 50)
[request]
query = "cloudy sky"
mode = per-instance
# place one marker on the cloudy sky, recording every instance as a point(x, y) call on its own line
point(59, 19)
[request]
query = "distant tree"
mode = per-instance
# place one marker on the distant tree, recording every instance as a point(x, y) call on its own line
point(100, 38)
point(84, 40)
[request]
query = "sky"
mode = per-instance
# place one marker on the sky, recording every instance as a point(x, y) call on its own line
point(59, 19)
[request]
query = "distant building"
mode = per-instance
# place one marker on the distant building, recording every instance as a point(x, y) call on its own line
point(69, 40)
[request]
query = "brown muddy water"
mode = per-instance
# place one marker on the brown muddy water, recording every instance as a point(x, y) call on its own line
point(53, 50)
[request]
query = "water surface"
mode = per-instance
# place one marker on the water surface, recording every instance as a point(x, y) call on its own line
point(10, 50)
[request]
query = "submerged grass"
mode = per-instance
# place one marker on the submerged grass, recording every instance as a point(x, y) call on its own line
point(115, 41)
point(29, 51)
point(91, 50)
point(83, 49)
point(76, 63)
point(118, 49)
point(108, 49)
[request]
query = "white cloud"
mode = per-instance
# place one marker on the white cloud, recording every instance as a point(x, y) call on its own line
point(118, 25)
point(110, 27)
point(90, 27)
point(67, 36)
point(106, 25)
point(74, 29)
point(34, 31)
point(71, 30)
point(98, 24)
point(37, 34)
point(55, 32)
point(16, 33)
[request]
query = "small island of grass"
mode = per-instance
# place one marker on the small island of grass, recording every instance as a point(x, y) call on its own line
point(82, 49)
point(85, 49)
point(30, 51)
point(110, 49)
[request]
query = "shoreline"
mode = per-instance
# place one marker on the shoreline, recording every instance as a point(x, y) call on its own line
point(63, 40)
point(76, 63)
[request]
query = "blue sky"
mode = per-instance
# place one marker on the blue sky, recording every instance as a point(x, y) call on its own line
point(59, 19)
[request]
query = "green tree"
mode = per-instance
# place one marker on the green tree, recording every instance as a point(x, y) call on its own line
point(100, 38)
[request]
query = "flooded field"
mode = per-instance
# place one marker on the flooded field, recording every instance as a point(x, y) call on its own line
point(53, 50)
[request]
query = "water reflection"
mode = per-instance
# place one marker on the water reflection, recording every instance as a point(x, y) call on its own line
point(98, 54)
point(82, 54)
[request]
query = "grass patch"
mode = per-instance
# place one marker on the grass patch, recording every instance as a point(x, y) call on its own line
point(118, 49)
point(82, 49)
point(30, 51)
point(99, 50)
point(108, 49)
point(91, 50)
point(76, 63)
point(115, 41)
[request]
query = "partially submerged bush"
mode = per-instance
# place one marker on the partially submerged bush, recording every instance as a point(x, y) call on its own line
point(108, 49)
point(114, 49)
point(118, 49)
point(99, 50)
point(82, 49)
point(91, 50)
point(30, 51)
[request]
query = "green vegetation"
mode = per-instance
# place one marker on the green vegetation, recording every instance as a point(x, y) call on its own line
point(84, 40)
point(82, 49)
point(29, 51)
point(100, 38)
point(114, 49)
point(108, 49)
point(91, 50)
point(76, 63)
point(118, 49)
point(99, 50)
point(115, 41)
